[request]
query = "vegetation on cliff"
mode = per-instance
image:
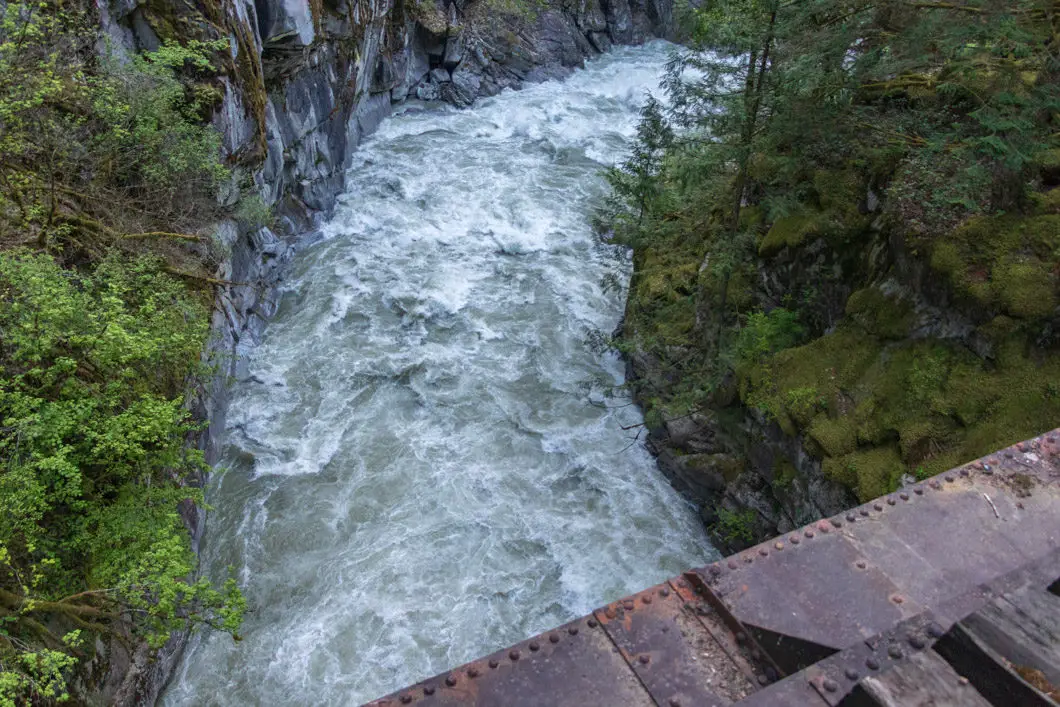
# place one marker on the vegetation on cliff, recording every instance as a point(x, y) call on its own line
point(845, 220)
point(106, 176)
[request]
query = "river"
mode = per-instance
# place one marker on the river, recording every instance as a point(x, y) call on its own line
point(423, 463)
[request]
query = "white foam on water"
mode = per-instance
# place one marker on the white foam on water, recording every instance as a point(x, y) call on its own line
point(423, 465)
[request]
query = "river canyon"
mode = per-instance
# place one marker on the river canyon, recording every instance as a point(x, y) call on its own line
point(426, 457)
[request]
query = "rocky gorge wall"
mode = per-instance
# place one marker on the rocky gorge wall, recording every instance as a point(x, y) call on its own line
point(302, 83)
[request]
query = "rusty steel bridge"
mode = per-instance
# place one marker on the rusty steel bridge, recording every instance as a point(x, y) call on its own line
point(941, 593)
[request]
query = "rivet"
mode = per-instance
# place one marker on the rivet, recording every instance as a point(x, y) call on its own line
point(824, 527)
point(860, 564)
point(535, 646)
point(851, 517)
point(872, 664)
point(808, 533)
point(934, 630)
point(878, 506)
point(473, 673)
point(851, 674)
point(644, 659)
point(674, 702)
point(918, 491)
point(1050, 439)
point(778, 545)
point(553, 638)
point(573, 630)
point(628, 605)
point(429, 690)
point(830, 685)
point(665, 591)
point(837, 523)
point(1022, 446)
point(646, 599)
point(895, 651)
point(962, 681)
point(916, 641)
point(891, 502)
point(756, 654)
point(732, 565)
point(795, 540)
point(949, 478)
point(610, 613)
point(864, 512)
point(513, 654)
point(748, 559)
point(1009, 455)
point(493, 663)
point(741, 637)
point(987, 470)
point(763, 552)
point(591, 623)
point(451, 681)
point(762, 679)
point(963, 472)
point(898, 599)
point(934, 484)
point(405, 699)
point(903, 496)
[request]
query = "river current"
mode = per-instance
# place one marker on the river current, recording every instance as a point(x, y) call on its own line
point(423, 463)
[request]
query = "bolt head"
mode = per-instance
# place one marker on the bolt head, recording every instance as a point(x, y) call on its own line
point(573, 630)
point(864, 512)
point(405, 699)
point(473, 672)
point(950, 478)
point(872, 664)
point(830, 685)
point(762, 679)
point(535, 646)
point(514, 654)
point(917, 641)
point(918, 491)
point(628, 605)
point(553, 638)
point(878, 506)
point(674, 702)
point(903, 496)
point(898, 599)
point(732, 565)
point(644, 658)
point(861, 564)
point(763, 552)
point(837, 523)
point(493, 663)
point(646, 599)
point(895, 651)
point(778, 545)
point(891, 502)
point(591, 623)
point(808, 533)
point(741, 637)
point(851, 517)
point(851, 674)
point(664, 592)
point(429, 690)
point(795, 540)
point(451, 681)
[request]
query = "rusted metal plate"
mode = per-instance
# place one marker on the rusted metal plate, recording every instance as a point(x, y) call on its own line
point(842, 579)
point(673, 653)
point(810, 586)
point(574, 665)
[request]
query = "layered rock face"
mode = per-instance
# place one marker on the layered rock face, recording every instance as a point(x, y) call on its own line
point(303, 81)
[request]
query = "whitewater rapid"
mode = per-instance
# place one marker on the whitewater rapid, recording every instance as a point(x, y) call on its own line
point(423, 463)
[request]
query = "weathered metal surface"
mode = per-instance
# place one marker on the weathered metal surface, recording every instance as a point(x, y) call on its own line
point(856, 594)
point(672, 651)
point(842, 579)
point(1014, 637)
point(925, 679)
point(576, 664)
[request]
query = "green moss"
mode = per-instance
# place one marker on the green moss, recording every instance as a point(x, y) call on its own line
point(1003, 262)
point(835, 435)
point(885, 316)
point(1025, 289)
point(802, 404)
point(870, 472)
point(791, 232)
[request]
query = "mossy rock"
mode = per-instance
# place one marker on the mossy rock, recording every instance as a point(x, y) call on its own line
point(791, 232)
point(885, 316)
point(1025, 289)
point(835, 435)
point(870, 472)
